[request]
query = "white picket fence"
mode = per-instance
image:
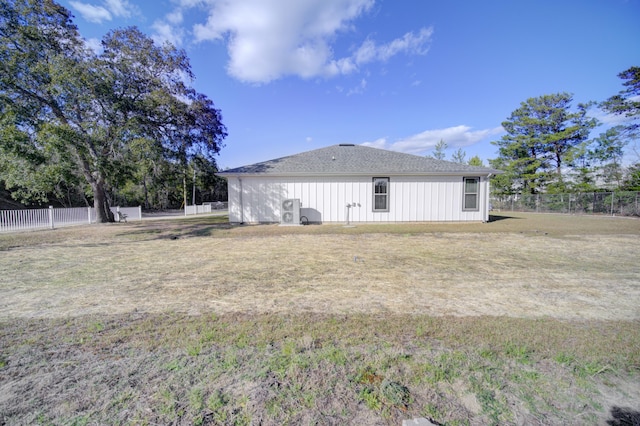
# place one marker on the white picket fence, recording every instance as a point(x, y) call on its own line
point(19, 220)
point(204, 208)
point(207, 207)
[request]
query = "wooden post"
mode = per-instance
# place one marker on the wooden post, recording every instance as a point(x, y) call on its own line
point(613, 194)
point(193, 198)
point(51, 217)
point(184, 191)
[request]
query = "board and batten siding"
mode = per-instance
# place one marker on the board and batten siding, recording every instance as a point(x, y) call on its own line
point(258, 199)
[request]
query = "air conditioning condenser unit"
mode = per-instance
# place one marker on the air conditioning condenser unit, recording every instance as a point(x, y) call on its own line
point(290, 212)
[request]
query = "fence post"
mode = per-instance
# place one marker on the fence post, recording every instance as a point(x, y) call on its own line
point(140, 212)
point(89, 215)
point(51, 217)
point(613, 194)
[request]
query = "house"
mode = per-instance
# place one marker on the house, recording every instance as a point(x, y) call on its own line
point(355, 183)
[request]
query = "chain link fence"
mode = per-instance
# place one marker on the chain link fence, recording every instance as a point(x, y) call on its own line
point(623, 203)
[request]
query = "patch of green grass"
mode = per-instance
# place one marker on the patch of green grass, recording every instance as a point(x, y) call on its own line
point(96, 327)
point(445, 368)
point(590, 369)
point(196, 399)
point(173, 365)
point(334, 354)
point(519, 352)
point(167, 403)
point(80, 421)
point(493, 404)
point(524, 376)
point(230, 360)
point(370, 397)
point(345, 371)
point(395, 394)
point(217, 403)
point(122, 399)
point(432, 411)
point(488, 354)
point(564, 358)
point(194, 349)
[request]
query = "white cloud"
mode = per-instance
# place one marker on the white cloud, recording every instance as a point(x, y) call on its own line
point(269, 39)
point(378, 143)
point(175, 17)
point(417, 44)
point(610, 120)
point(121, 8)
point(359, 89)
point(165, 32)
point(111, 8)
point(94, 44)
point(91, 13)
point(455, 137)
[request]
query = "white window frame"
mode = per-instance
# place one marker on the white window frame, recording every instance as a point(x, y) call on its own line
point(378, 195)
point(465, 193)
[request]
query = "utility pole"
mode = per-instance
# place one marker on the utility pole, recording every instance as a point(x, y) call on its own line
point(193, 197)
point(184, 190)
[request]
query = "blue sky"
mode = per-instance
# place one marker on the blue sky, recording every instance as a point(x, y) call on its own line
point(295, 75)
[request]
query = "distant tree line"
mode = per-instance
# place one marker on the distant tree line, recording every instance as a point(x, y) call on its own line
point(122, 126)
point(457, 157)
point(547, 147)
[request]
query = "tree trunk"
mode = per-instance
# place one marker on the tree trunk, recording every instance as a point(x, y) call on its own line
point(96, 180)
point(101, 203)
point(146, 192)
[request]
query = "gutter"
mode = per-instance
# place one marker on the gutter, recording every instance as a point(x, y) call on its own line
point(241, 203)
point(488, 174)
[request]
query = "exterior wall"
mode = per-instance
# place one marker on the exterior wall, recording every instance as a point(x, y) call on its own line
point(254, 199)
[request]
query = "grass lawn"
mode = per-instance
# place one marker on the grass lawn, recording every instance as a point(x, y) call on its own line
point(528, 319)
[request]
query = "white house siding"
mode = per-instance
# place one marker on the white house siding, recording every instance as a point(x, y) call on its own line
point(254, 199)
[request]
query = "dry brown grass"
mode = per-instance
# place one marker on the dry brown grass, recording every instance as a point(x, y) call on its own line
point(528, 319)
point(549, 265)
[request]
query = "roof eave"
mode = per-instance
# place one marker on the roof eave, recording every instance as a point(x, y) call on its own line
point(316, 174)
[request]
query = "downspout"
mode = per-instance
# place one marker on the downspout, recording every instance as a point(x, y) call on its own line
point(486, 198)
point(241, 205)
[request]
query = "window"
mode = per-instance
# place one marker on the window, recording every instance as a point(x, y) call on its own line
point(471, 190)
point(380, 194)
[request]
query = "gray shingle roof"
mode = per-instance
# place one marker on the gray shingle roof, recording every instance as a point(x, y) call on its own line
point(346, 159)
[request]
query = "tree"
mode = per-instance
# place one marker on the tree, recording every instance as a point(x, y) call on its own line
point(607, 152)
point(583, 175)
point(475, 161)
point(37, 41)
point(458, 156)
point(626, 102)
point(504, 183)
point(61, 104)
point(632, 178)
point(438, 150)
point(541, 134)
